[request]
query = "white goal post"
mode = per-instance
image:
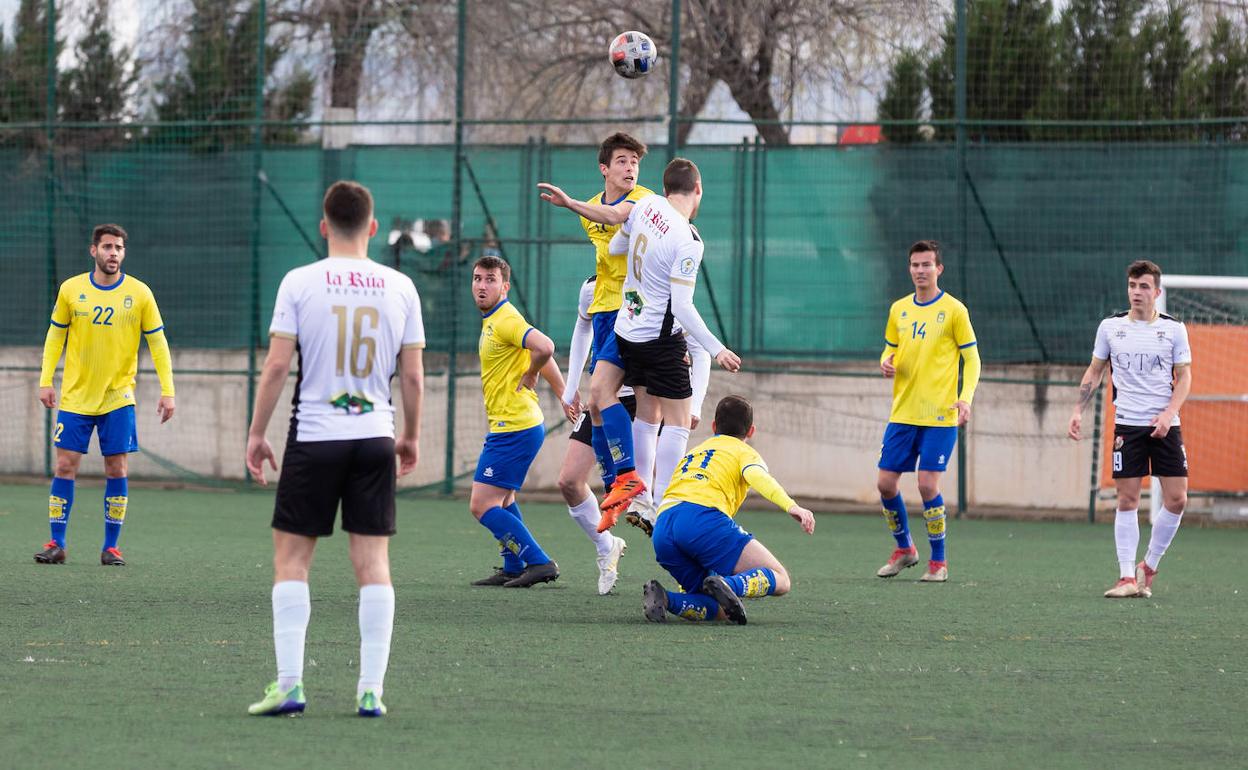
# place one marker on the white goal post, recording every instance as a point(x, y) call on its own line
point(1223, 282)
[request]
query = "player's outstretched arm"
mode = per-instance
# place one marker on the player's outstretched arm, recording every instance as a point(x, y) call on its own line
point(412, 391)
point(766, 485)
point(1087, 390)
point(272, 378)
point(578, 354)
point(594, 212)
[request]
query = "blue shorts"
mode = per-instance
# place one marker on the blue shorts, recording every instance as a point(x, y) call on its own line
point(506, 457)
point(605, 348)
point(693, 541)
point(117, 433)
point(931, 445)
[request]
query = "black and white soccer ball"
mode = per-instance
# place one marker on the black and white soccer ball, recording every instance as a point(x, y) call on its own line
point(633, 54)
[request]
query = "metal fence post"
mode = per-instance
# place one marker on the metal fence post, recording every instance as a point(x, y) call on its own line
point(257, 155)
point(457, 217)
point(963, 251)
point(50, 192)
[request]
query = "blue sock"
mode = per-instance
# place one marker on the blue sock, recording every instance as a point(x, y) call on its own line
point(692, 606)
point(60, 500)
point(115, 500)
point(753, 583)
point(619, 429)
point(934, 514)
point(512, 564)
point(898, 524)
point(598, 439)
point(513, 536)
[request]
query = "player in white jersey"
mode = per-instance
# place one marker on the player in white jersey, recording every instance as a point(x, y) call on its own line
point(579, 459)
point(352, 321)
point(1150, 360)
point(664, 253)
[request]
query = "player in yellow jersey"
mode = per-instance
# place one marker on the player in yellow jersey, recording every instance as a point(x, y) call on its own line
point(513, 354)
point(103, 315)
point(927, 332)
point(613, 426)
point(695, 537)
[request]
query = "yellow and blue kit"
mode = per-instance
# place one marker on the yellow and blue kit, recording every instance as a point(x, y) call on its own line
point(99, 328)
point(695, 535)
point(515, 417)
point(926, 341)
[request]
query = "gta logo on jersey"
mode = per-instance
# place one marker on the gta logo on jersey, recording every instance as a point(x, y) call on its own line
point(634, 304)
point(352, 404)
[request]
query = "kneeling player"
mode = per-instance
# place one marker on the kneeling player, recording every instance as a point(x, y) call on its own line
point(695, 538)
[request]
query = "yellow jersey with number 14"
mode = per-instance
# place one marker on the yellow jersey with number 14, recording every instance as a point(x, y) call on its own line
point(926, 341)
point(610, 268)
point(104, 325)
point(504, 360)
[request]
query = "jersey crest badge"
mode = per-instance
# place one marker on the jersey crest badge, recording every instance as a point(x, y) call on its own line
point(686, 266)
point(940, 317)
point(82, 297)
point(128, 302)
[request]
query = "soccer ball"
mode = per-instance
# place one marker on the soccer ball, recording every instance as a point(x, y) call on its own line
point(633, 54)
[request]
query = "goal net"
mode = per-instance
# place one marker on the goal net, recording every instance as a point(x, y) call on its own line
point(1215, 415)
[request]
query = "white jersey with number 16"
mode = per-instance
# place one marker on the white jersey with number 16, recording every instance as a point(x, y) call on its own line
point(350, 318)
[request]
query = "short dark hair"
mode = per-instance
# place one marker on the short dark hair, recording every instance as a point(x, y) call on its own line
point(680, 176)
point(348, 207)
point(619, 141)
point(1142, 267)
point(491, 262)
point(108, 229)
point(734, 416)
point(925, 245)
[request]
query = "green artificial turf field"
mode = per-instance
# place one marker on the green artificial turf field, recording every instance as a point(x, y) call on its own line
point(1016, 662)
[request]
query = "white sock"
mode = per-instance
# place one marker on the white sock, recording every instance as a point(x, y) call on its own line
point(645, 444)
point(672, 445)
point(376, 626)
point(587, 516)
point(292, 606)
point(1163, 534)
point(1127, 538)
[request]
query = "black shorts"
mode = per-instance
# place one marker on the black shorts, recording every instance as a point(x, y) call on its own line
point(581, 431)
point(1136, 453)
point(660, 366)
point(316, 475)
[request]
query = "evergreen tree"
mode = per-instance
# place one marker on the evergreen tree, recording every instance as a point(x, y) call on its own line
point(219, 81)
point(1010, 62)
point(903, 97)
point(23, 89)
point(1221, 87)
point(96, 90)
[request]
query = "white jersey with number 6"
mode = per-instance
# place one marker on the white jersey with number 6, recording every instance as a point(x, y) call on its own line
point(664, 250)
point(350, 318)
